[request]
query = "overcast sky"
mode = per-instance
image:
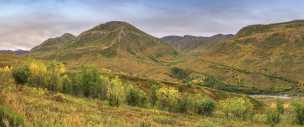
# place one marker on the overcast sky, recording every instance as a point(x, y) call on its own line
point(26, 23)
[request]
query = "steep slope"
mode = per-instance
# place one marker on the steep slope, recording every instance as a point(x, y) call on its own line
point(115, 45)
point(189, 42)
point(273, 49)
point(265, 58)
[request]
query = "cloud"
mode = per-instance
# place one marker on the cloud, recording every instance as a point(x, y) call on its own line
point(26, 23)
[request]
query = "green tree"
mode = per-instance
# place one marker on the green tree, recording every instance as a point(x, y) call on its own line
point(179, 73)
point(184, 104)
point(21, 74)
point(89, 81)
point(55, 72)
point(168, 98)
point(67, 85)
point(116, 92)
point(206, 106)
point(298, 112)
point(136, 97)
point(152, 94)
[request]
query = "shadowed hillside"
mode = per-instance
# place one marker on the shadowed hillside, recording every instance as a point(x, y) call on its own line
point(190, 43)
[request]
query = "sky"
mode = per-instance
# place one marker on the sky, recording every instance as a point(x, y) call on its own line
point(27, 23)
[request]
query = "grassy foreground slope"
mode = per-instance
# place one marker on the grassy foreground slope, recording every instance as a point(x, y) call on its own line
point(41, 108)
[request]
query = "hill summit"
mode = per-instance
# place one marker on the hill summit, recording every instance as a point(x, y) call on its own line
point(116, 45)
point(115, 38)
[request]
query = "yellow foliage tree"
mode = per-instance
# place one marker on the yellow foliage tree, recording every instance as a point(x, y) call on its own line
point(38, 72)
point(167, 98)
point(5, 73)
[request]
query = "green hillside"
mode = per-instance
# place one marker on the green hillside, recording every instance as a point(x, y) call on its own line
point(265, 58)
point(255, 60)
point(115, 45)
point(117, 75)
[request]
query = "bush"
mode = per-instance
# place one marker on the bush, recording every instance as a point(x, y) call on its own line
point(273, 118)
point(179, 73)
point(237, 108)
point(167, 98)
point(298, 110)
point(116, 92)
point(136, 97)
point(206, 106)
point(8, 118)
point(21, 74)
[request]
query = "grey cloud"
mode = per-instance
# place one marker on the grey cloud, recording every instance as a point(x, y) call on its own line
point(27, 26)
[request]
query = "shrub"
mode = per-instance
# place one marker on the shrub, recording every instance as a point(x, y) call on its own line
point(10, 118)
point(167, 98)
point(136, 97)
point(206, 106)
point(179, 73)
point(116, 92)
point(273, 118)
point(21, 74)
point(237, 108)
point(298, 110)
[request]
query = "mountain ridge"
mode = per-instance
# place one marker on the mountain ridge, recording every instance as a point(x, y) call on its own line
point(189, 42)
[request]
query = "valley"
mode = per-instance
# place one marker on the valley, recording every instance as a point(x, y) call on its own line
point(114, 74)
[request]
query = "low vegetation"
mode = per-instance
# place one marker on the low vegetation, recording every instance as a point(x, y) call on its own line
point(88, 83)
point(8, 118)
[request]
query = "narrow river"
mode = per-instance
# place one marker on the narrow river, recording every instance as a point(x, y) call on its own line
point(285, 96)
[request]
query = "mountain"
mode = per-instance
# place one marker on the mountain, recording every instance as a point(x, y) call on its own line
point(274, 49)
point(258, 59)
point(264, 58)
point(115, 45)
point(189, 42)
point(16, 52)
point(55, 43)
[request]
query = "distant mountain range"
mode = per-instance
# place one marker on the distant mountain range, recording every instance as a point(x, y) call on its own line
point(17, 52)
